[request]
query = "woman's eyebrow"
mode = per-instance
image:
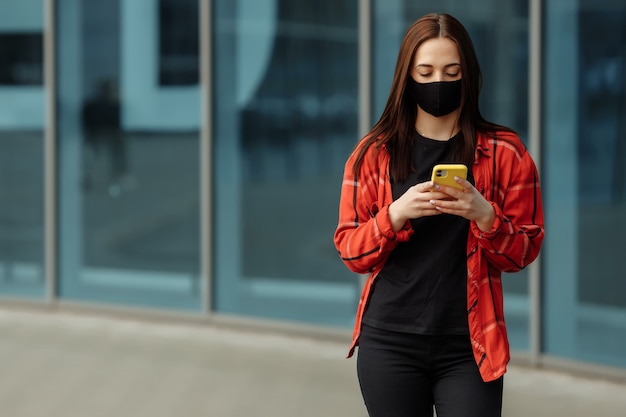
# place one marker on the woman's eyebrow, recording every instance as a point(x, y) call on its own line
point(455, 64)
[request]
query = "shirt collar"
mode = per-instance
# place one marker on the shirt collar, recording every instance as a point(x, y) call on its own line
point(482, 145)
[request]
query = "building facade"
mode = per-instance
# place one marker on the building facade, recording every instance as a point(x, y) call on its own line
point(184, 157)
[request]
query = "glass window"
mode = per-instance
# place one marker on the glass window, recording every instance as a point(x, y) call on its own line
point(499, 32)
point(285, 121)
point(179, 45)
point(128, 158)
point(585, 174)
point(22, 58)
point(21, 149)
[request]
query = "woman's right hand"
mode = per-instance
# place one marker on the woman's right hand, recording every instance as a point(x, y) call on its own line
point(414, 203)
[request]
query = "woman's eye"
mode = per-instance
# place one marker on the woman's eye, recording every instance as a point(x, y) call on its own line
point(452, 75)
point(426, 75)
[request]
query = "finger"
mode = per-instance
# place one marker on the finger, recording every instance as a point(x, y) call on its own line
point(447, 207)
point(444, 204)
point(448, 190)
point(455, 205)
point(443, 210)
point(467, 186)
point(438, 195)
point(431, 212)
point(425, 186)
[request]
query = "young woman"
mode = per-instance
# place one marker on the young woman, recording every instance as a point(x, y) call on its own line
point(430, 325)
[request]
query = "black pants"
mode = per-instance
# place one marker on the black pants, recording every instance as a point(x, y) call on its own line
point(404, 375)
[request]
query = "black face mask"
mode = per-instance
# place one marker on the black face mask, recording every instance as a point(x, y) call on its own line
point(438, 98)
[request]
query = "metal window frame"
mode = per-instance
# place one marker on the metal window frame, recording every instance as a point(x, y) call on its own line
point(206, 157)
point(365, 66)
point(50, 153)
point(535, 18)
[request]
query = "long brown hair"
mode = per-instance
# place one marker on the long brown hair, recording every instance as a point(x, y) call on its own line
point(396, 127)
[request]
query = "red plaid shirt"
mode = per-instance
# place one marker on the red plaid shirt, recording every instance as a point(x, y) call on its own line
point(505, 174)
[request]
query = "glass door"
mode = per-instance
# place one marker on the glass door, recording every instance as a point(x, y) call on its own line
point(286, 99)
point(128, 134)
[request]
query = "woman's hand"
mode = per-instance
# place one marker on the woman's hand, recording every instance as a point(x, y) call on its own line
point(467, 203)
point(415, 203)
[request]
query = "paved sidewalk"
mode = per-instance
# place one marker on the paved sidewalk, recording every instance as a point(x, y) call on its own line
point(58, 364)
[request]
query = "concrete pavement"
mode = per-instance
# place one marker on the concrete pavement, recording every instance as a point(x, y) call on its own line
point(61, 364)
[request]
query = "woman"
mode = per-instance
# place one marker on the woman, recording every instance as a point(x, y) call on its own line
point(430, 324)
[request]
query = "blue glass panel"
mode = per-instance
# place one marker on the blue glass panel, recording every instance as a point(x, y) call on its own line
point(585, 156)
point(128, 132)
point(21, 149)
point(285, 121)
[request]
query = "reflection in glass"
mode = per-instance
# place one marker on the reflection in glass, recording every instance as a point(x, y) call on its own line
point(178, 43)
point(129, 166)
point(286, 119)
point(21, 55)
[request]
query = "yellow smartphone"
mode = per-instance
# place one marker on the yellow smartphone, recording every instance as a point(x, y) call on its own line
point(443, 174)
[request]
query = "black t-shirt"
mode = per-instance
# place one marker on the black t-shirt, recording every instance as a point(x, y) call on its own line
point(422, 288)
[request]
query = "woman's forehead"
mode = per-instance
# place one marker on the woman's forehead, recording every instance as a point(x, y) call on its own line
point(437, 51)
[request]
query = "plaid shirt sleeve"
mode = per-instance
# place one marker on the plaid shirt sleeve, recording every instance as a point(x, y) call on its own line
point(364, 236)
point(515, 194)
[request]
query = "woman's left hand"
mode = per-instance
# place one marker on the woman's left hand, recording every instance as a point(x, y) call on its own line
point(467, 203)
